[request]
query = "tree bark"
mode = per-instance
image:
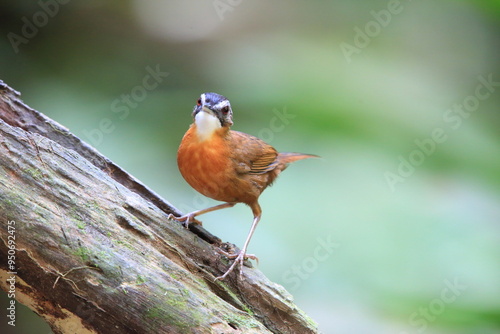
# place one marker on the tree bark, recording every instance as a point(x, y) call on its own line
point(93, 251)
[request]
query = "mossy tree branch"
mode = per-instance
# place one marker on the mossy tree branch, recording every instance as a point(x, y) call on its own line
point(95, 252)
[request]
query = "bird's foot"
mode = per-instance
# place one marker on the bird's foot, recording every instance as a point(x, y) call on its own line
point(185, 220)
point(239, 259)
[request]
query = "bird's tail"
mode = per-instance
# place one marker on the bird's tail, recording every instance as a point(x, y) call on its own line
point(288, 157)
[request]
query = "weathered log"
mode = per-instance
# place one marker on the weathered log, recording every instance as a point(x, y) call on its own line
point(94, 252)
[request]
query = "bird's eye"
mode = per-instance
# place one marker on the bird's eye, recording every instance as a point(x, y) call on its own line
point(225, 110)
point(198, 102)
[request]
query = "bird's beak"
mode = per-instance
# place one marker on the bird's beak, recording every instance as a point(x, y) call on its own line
point(208, 110)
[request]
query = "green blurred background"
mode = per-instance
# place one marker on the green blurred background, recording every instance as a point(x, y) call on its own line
point(391, 231)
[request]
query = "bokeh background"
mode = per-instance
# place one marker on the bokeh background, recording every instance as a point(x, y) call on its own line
point(395, 230)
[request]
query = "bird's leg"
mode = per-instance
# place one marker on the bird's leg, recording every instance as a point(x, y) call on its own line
point(240, 257)
point(187, 218)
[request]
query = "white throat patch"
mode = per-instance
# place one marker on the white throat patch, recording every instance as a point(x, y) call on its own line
point(206, 124)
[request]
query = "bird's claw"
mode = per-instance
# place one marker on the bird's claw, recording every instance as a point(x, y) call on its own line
point(184, 220)
point(239, 258)
point(234, 256)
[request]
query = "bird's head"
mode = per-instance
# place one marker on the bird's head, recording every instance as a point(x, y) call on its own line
point(211, 112)
point(214, 105)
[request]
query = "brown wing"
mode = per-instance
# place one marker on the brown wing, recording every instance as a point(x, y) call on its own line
point(252, 155)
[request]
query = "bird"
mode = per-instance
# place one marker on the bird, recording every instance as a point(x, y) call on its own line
point(227, 165)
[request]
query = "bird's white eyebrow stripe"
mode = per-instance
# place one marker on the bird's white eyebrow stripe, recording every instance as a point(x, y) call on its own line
point(222, 104)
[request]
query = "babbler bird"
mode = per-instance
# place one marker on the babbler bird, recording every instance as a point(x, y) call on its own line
point(227, 165)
